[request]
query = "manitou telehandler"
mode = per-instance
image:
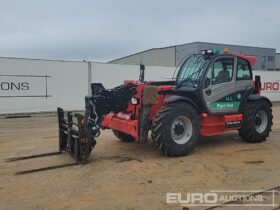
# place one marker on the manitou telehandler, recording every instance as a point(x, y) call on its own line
point(213, 93)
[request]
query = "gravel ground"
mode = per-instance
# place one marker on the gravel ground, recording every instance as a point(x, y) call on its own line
point(129, 175)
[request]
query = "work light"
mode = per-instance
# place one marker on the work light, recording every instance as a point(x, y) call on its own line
point(134, 101)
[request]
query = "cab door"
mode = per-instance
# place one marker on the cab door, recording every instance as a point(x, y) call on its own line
point(244, 79)
point(219, 88)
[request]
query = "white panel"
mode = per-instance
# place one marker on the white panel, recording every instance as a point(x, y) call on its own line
point(112, 75)
point(41, 85)
point(270, 84)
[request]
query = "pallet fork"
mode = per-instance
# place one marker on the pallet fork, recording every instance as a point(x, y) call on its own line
point(74, 138)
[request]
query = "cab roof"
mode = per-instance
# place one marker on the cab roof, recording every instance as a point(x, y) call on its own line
point(251, 59)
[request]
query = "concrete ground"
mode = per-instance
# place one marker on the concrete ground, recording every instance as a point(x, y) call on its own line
point(130, 175)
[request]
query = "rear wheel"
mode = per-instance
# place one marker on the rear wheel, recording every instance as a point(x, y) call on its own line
point(123, 136)
point(257, 121)
point(176, 128)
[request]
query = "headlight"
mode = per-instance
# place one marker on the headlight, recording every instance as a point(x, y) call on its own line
point(134, 101)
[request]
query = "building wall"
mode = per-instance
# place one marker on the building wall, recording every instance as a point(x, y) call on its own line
point(153, 57)
point(184, 50)
point(265, 56)
point(172, 56)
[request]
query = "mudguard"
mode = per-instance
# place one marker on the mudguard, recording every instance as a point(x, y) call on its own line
point(255, 97)
point(175, 99)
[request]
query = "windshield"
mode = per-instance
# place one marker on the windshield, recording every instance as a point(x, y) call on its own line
point(190, 71)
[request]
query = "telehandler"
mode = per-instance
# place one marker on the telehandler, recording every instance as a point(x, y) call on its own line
point(213, 93)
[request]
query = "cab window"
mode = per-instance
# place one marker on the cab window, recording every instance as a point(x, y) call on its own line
point(219, 72)
point(243, 70)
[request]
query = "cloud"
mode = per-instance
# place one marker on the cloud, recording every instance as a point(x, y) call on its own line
point(107, 29)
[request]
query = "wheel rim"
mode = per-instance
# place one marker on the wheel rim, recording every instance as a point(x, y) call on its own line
point(261, 121)
point(181, 130)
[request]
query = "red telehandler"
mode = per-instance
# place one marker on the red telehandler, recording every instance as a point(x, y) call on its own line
point(213, 93)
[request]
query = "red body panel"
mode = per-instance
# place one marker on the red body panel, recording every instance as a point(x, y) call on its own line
point(251, 59)
point(215, 124)
point(127, 121)
point(210, 126)
point(126, 126)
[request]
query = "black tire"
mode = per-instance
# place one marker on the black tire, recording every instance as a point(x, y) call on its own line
point(248, 131)
point(162, 129)
point(123, 136)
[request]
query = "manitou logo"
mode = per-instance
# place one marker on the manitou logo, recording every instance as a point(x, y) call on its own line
point(6, 86)
point(270, 86)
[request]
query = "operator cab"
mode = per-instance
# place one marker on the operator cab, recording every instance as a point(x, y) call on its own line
point(216, 81)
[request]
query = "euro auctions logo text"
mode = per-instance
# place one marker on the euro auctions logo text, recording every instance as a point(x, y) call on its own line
point(215, 198)
point(270, 86)
point(16, 86)
point(13, 86)
point(192, 198)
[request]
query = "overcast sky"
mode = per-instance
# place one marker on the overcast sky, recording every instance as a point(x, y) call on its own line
point(108, 29)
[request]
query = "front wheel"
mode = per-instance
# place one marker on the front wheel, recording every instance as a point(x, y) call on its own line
point(257, 121)
point(176, 129)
